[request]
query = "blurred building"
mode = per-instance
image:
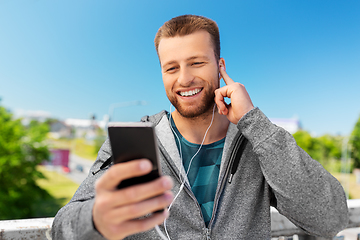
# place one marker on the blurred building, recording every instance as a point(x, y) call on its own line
point(58, 129)
point(292, 125)
point(83, 128)
point(27, 116)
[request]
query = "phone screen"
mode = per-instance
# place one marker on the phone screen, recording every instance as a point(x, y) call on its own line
point(131, 141)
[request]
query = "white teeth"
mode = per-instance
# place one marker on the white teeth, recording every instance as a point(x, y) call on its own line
point(190, 93)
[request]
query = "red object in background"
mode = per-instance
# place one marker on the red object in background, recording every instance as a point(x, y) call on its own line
point(59, 157)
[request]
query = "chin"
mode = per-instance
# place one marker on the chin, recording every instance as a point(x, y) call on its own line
point(195, 111)
point(204, 106)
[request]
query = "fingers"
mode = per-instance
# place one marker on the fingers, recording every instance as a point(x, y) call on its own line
point(119, 172)
point(220, 94)
point(119, 231)
point(115, 198)
point(142, 192)
point(240, 101)
point(116, 212)
point(148, 223)
point(225, 76)
point(223, 92)
point(109, 197)
point(140, 209)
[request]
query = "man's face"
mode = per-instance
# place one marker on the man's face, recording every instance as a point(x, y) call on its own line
point(190, 72)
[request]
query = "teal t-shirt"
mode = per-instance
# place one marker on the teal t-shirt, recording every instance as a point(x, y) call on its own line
point(204, 170)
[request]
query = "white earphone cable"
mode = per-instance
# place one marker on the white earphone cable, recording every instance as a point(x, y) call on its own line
point(184, 179)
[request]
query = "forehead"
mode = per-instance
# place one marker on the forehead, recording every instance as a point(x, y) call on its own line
point(183, 47)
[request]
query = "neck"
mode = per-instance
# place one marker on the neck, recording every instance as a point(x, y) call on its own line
point(193, 129)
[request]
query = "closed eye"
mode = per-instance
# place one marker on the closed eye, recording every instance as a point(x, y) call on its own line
point(171, 70)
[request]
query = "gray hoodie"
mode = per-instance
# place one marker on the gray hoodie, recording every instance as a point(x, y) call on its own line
point(273, 171)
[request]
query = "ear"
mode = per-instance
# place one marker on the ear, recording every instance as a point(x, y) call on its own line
point(221, 64)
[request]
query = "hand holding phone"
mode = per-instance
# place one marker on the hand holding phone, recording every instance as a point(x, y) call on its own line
point(118, 208)
point(118, 213)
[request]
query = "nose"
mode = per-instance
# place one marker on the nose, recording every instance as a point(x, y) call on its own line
point(185, 77)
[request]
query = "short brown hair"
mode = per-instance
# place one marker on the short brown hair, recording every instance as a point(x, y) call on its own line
point(187, 24)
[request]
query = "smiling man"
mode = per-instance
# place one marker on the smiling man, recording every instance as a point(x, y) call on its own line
point(225, 163)
point(190, 73)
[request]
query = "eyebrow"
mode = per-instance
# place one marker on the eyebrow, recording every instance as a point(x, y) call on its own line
point(190, 58)
point(168, 63)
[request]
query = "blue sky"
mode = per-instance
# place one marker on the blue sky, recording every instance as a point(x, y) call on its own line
point(76, 58)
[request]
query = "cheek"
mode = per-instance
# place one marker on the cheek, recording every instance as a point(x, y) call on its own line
point(167, 84)
point(215, 81)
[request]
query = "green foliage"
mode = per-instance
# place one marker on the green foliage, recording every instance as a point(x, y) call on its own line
point(330, 147)
point(355, 144)
point(325, 149)
point(308, 143)
point(21, 150)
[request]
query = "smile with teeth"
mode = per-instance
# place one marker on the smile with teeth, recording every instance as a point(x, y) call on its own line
point(190, 93)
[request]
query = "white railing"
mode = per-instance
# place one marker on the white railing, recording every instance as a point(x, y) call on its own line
point(281, 227)
point(37, 228)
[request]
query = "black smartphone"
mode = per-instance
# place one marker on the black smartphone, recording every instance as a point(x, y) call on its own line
point(131, 141)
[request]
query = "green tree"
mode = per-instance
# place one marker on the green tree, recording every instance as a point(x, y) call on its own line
point(325, 149)
point(308, 144)
point(355, 144)
point(330, 147)
point(330, 152)
point(21, 150)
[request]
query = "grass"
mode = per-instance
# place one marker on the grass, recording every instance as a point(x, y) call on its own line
point(60, 189)
point(349, 181)
point(57, 185)
point(84, 149)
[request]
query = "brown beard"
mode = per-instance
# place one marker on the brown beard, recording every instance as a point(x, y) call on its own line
point(205, 106)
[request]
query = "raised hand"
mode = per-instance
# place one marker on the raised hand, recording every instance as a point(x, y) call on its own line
point(240, 99)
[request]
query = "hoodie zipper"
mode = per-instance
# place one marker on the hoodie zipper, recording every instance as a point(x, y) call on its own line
point(224, 179)
point(188, 190)
point(208, 234)
point(186, 186)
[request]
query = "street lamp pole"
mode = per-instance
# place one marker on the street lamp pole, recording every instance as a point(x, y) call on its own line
point(345, 165)
point(113, 106)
